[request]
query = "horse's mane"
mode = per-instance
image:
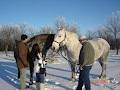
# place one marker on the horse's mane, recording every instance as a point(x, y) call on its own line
point(47, 39)
point(41, 37)
point(72, 35)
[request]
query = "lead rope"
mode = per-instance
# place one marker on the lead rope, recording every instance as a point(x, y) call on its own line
point(76, 66)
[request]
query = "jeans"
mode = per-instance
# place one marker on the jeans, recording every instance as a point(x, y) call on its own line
point(84, 78)
point(40, 78)
point(40, 81)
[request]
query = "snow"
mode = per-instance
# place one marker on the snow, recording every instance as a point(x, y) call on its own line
point(58, 75)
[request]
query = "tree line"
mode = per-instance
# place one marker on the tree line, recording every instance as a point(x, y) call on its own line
point(109, 31)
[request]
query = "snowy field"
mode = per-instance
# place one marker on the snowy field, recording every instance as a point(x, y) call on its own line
point(58, 75)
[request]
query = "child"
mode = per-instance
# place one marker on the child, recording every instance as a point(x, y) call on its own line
point(39, 67)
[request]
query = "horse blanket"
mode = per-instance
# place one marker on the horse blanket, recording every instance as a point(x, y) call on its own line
point(93, 50)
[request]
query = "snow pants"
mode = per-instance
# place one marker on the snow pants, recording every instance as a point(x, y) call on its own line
point(22, 79)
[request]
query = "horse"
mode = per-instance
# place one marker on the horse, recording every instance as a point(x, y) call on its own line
point(47, 39)
point(96, 49)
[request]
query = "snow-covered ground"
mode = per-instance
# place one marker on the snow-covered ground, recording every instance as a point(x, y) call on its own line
point(58, 75)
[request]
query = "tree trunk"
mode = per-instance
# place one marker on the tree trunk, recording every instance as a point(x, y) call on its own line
point(117, 46)
point(117, 51)
point(6, 50)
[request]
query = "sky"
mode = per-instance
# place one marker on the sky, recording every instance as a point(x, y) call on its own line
point(87, 14)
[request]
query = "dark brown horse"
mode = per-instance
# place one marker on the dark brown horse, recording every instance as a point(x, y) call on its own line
point(47, 39)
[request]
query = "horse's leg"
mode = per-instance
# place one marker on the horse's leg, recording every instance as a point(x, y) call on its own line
point(103, 65)
point(73, 78)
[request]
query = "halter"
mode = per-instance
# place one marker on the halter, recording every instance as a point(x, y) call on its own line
point(62, 40)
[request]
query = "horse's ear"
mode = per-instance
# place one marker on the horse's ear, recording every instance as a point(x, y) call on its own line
point(60, 28)
point(63, 29)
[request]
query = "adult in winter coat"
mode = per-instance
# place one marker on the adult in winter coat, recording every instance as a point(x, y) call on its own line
point(22, 52)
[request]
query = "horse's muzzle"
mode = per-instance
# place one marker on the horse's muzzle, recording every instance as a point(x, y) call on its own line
point(53, 48)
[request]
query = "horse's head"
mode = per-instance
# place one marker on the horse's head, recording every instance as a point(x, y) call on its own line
point(59, 40)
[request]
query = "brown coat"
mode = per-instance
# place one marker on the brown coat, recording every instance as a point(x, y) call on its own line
point(22, 51)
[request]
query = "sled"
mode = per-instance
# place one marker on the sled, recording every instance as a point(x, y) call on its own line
point(104, 81)
point(100, 81)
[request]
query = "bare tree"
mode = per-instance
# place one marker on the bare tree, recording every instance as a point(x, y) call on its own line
point(102, 32)
point(23, 28)
point(90, 34)
point(31, 31)
point(74, 28)
point(46, 30)
point(61, 23)
point(113, 25)
point(6, 32)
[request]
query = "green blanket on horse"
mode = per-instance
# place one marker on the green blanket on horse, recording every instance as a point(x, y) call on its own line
point(93, 50)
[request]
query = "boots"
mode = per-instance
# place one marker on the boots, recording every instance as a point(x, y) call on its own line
point(40, 86)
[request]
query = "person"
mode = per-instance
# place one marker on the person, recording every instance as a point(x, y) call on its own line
point(15, 56)
point(84, 78)
point(83, 39)
point(22, 59)
point(39, 66)
point(86, 60)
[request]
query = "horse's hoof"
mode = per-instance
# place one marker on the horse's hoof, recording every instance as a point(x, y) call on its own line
point(73, 79)
point(102, 77)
